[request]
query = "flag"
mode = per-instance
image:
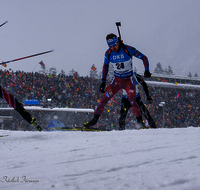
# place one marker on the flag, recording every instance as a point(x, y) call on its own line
point(42, 64)
point(177, 96)
point(75, 76)
point(93, 68)
point(4, 64)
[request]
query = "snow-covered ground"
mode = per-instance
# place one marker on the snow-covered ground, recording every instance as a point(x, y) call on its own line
point(148, 159)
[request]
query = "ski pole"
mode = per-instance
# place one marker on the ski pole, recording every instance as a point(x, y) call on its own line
point(26, 57)
point(3, 23)
point(118, 24)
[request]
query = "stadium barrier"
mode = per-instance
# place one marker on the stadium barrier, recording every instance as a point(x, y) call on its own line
point(70, 117)
point(3, 119)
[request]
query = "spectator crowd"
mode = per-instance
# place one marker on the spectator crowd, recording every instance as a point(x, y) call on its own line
point(181, 107)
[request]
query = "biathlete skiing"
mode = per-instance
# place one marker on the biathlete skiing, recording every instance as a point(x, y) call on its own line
point(125, 104)
point(120, 56)
point(13, 102)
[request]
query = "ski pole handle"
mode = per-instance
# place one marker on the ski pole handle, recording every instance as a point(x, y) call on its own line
point(118, 24)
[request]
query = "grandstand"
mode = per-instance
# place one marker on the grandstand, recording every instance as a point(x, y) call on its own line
point(181, 108)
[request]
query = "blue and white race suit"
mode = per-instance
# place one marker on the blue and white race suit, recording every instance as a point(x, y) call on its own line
point(123, 73)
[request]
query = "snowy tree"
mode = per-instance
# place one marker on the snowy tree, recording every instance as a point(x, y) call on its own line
point(190, 74)
point(52, 71)
point(62, 72)
point(165, 71)
point(169, 71)
point(71, 73)
point(158, 69)
point(196, 75)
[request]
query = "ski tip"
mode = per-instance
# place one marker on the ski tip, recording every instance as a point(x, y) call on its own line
point(6, 22)
point(52, 50)
point(39, 128)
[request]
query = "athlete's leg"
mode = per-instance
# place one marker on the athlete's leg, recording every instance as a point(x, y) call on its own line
point(130, 90)
point(145, 112)
point(125, 106)
point(20, 109)
point(131, 96)
point(111, 90)
point(13, 102)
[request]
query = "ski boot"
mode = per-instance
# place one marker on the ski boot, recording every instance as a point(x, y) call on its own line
point(35, 124)
point(89, 124)
point(140, 123)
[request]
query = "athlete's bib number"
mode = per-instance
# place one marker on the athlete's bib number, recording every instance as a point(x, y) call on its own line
point(120, 65)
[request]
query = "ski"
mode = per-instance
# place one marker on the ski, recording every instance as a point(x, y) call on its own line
point(35, 124)
point(4, 135)
point(76, 129)
point(93, 129)
point(55, 125)
point(39, 128)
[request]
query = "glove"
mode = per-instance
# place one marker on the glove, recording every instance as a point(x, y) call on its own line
point(147, 74)
point(150, 100)
point(102, 87)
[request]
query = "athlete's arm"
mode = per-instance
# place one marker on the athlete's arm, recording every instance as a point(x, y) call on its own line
point(105, 67)
point(144, 84)
point(134, 52)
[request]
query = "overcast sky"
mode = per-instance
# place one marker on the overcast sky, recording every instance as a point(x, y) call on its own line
point(165, 31)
